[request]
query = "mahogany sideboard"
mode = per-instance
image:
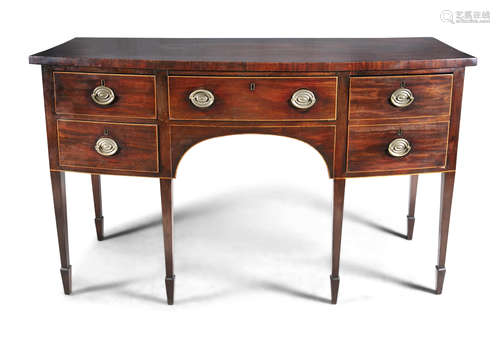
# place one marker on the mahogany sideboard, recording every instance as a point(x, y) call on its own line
point(370, 107)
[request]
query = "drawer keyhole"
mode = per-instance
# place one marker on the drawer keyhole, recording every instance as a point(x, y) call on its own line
point(252, 86)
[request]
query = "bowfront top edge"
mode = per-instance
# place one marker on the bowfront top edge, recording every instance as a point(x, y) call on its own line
point(256, 54)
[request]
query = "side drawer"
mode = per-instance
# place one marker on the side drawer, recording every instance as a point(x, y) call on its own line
point(110, 146)
point(370, 97)
point(368, 146)
point(253, 98)
point(106, 95)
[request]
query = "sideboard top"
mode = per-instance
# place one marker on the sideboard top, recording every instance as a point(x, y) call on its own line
point(270, 54)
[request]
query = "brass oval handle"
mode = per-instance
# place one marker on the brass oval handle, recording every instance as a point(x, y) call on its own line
point(399, 147)
point(303, 99)
point(102, 95)
point(202, 98)
point(106, 146)
point(402, 97)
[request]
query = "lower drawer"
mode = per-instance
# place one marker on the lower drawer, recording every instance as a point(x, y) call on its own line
point(396, 147)
point(109, 146)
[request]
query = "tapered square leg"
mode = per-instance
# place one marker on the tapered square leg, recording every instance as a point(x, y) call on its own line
point(59, 196)
point(411, 207)
point(99, 219)
point(338, 214)
point(167, 219)
point(447, 183)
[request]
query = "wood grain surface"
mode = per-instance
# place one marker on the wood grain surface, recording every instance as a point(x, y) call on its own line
point(256, 54)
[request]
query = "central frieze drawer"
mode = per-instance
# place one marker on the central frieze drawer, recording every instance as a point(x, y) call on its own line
point(252, 98)
point(109, 146)
point(403, 96)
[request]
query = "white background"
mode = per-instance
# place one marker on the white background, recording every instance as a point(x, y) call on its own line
point(252, 213)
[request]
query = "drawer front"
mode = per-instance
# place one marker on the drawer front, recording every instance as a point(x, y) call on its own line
point(115, 95)
point(427, 95)
point(136, 145)
point(368, 147)
point(254, 99)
